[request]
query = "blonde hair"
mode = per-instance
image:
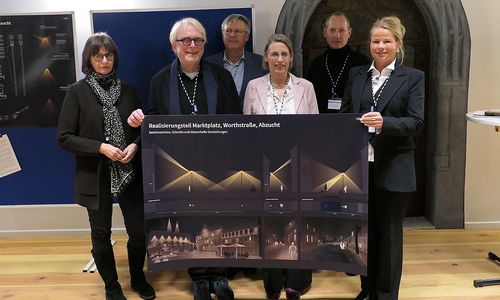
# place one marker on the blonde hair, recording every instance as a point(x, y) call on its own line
point(393, 24)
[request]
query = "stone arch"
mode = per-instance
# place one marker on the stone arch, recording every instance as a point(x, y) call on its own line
point(447, 91)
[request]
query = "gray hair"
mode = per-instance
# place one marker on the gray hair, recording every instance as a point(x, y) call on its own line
point(234, 17)
point(184, 22)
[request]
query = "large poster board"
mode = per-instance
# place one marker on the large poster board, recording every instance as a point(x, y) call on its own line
point(256, 191)
point(37, 66)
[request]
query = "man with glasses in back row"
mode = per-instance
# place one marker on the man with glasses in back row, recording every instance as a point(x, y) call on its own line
point(243, 65)
point(192, 86)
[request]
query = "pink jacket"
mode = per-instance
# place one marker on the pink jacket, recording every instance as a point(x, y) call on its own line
point(255, 102)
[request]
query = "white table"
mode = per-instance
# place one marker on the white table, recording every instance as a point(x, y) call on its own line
point(479, 117)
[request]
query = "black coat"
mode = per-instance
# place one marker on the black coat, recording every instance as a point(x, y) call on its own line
point(227, 101)
point(81, 132)
point(319, 77)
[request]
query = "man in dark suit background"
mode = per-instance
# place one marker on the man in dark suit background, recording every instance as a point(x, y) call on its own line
point(329, 71)
point(243, 65)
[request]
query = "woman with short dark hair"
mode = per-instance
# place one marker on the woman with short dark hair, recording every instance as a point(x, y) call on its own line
point(93, 127)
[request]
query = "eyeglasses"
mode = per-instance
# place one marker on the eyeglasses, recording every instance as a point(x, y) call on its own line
point(187, 41)
point(109, 56)
point(276, 55)
point(236, 32)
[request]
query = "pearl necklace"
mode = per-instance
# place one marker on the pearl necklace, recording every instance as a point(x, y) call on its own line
point(281, 86)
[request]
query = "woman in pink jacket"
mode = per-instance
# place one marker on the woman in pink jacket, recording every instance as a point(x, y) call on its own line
point(276, 93)
point(279, 91)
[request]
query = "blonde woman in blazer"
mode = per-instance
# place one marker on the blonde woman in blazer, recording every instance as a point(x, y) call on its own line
point(391, 98)
point(276, 93)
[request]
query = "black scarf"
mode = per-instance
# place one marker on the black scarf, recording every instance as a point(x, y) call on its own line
point(108, 90)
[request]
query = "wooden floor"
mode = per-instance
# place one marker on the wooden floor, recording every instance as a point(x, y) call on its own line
point(439, 264)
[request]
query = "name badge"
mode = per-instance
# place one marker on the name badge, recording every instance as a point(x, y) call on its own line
point(334, 103)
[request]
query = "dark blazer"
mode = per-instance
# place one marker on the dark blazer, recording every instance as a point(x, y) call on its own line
point(253, 68)
point(402, 108)
point(81, 132)
point(227, 96)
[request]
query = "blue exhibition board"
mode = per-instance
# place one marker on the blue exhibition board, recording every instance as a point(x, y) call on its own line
point(46, 175)
point(142, 38)
point(37, 66)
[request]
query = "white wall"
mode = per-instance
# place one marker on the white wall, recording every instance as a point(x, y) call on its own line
point(482, 188)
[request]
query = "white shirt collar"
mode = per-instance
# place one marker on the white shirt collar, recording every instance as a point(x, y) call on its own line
point(386, 71)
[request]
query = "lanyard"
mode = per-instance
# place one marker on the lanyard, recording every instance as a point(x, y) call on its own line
point(340, 74)
point(376, 95)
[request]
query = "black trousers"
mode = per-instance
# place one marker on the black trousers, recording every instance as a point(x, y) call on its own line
point(132, 207)
point(386, 213)
point(277, 279)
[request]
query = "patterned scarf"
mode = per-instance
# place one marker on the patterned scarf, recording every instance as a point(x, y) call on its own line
point(108, 89)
